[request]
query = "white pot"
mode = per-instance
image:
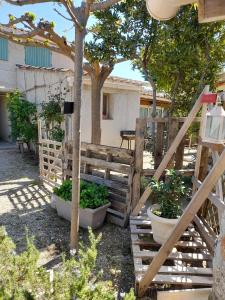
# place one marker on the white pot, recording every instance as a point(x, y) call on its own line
point(161, 227)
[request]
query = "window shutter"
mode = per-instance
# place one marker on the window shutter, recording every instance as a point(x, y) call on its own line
point(38, 57)
point(3, 49)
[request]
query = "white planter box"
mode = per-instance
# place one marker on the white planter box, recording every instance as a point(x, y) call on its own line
point(161, 227)
point(93, 218)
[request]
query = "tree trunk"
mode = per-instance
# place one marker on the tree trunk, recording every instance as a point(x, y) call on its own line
point(96, 110)
point(154, 99)
point(98, 76)
point(78, 73)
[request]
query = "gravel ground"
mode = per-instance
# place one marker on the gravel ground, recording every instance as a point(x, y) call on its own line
point(24, 203)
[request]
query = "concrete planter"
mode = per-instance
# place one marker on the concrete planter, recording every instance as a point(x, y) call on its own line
point(161, 227)
point(88, 217)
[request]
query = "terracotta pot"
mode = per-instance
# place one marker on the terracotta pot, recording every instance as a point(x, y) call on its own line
point(161, 227)
point(88, 217)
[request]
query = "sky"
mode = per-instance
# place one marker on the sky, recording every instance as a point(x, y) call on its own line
point(63, 27)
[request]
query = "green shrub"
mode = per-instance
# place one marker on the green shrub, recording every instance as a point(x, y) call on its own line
point(51, 112)
point(169, 194)
point(91, 194)
point(57, 134)
point(23, 117)
point(21, 278)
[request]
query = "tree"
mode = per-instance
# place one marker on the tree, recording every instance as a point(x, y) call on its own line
point(79, 16)
point(183, 57)
point(144, 32)
point(108, 46)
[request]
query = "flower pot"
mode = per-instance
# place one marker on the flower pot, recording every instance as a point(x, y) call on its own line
point(161, 227)
point(93, 218)
point(88, 217)
point(63, 208)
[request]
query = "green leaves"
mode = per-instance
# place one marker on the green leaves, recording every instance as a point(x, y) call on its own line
point(51, 112)
point(21, 278)
point(169, 194)
point(23, 117)
point(91, 194)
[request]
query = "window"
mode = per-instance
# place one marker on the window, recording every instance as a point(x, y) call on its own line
point(3, 49)
point(146, 112)
point(106, 107)
point(38, 57)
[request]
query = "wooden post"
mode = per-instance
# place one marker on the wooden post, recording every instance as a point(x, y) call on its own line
point(107, 171)
point(199, 148)
point(188, 215)
point(159, 144)
point(179, 157)
point(138, 160)
point(173, 128)
point(170, 153)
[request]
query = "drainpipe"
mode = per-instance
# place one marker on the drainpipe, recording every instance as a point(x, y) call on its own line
point(165, 9)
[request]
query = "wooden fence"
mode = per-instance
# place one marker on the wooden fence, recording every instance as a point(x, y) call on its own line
point(148, 158)
point(109, 166)
point(104, 165)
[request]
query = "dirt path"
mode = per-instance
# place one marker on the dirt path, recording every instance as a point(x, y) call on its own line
point(24, 203)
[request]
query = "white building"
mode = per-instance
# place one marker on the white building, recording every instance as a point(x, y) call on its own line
point(39, 72)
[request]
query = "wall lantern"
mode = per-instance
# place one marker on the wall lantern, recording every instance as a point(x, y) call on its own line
point(214, 129)
point(68, 108)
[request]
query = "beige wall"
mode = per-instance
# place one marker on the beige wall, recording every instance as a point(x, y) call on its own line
point(16, 55)
point(124, 103)
point(125, 98)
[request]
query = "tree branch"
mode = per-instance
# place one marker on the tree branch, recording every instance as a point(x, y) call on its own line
point(103, 5)
point(28, 2)
point(61, 15)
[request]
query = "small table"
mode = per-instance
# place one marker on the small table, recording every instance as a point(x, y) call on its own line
point(127, 135)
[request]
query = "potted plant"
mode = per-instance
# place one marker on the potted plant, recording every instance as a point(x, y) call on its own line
point(165, 214)
point(93, 203)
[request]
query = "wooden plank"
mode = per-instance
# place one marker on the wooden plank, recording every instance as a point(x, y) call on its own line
point(159, 145)
point(173, 128)
point(170, 153)
point(106, 182)
point(115, 212)
point(138, 161)
point(146, 254)
point(182, 244)
point(205, 234)
point(98, 163)
point(107, 171)
point(211, 196)
point(181, 270)
point(188, 215)
point(151, 172)
point(179, 156)
point(149, 231)
point(211, 10)
point(184, 280)
point(121, 152)
point(115, 220)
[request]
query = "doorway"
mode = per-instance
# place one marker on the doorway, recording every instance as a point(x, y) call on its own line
point(5, 130)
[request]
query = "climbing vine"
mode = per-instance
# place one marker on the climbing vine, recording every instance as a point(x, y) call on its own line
point(23, 117)
point(52, 115)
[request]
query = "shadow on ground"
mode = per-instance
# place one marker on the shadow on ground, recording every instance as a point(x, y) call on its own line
point(24, 203)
